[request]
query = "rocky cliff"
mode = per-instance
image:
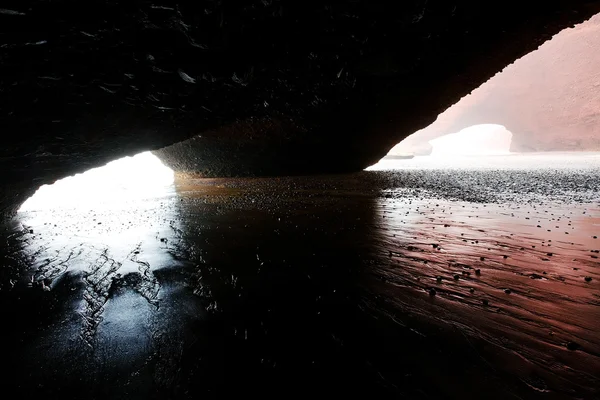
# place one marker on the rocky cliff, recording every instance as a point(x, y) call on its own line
point(549, 99)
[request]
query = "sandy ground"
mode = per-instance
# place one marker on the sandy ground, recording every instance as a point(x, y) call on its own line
point(424, 283)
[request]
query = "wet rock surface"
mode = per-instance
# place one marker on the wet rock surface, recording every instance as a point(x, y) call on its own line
point(285, 286)
point(264, 86)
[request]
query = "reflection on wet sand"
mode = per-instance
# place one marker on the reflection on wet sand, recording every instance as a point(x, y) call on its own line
point(515, 280)
point(340, 285)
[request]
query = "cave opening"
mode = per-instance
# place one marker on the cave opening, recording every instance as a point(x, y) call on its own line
point(125, 182)
point(473, 146)
point(477, 140)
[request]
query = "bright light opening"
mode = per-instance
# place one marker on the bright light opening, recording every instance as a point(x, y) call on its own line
point(484, 145)
point(477, 140)
point(119, 183)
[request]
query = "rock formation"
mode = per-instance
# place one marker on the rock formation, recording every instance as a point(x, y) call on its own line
point(263, 86)
point(548, 99)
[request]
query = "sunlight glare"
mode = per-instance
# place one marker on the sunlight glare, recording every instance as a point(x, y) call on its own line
point(484, 145)
point(477, 140)
point(120, 182)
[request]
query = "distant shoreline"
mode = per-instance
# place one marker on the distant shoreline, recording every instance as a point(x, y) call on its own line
point(398, 157)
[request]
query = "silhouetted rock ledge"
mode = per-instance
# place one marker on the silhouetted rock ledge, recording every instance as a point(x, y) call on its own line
point(263, 87)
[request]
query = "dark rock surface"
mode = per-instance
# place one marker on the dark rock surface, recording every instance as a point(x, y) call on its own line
point(272, 87)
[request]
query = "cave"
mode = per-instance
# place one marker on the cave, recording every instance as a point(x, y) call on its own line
point(275, 263)
point(249, 89)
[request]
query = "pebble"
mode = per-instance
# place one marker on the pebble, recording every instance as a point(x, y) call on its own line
point(573, 346)
point(588, 278)
point(456, 276)
point(507, 291)
point(432, 292)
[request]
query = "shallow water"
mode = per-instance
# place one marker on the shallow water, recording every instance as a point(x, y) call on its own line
point(315, 286)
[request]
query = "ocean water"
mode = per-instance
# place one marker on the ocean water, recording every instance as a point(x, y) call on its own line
point(422, 278)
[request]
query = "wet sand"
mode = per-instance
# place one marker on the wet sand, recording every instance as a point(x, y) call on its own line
point(419, 283)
